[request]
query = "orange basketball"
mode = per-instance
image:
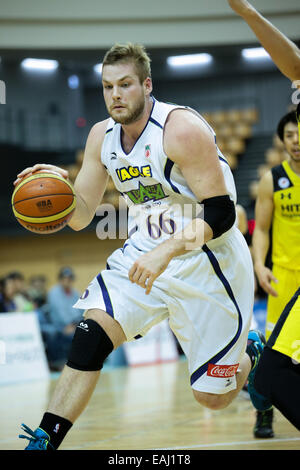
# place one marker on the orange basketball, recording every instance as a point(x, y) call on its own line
point(43, 202)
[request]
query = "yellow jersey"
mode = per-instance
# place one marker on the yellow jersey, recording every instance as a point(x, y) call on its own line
point(285, 337)
point(286, 217)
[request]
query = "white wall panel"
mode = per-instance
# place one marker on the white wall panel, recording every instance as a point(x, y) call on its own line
point(95, 24)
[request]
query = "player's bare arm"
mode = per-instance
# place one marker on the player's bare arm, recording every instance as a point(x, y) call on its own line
point(263, 219)
point(91, 180)
point(284, 53)
point(189, 143)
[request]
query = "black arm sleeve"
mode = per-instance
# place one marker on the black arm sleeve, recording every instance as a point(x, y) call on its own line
point(219, 214)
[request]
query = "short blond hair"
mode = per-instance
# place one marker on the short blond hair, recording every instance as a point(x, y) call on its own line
point(129, 52)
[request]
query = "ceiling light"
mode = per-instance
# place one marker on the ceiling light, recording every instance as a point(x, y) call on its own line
point(98, 68)
point(39, 64)
point(255, 53)
point(189, 59)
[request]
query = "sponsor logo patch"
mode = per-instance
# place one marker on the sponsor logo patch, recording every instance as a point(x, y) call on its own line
point(223, 371)
point(147, 151)
point(283, 183)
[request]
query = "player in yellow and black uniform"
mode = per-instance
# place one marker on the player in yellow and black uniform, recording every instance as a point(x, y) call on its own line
point(278, 206)
point(286, 56)
point(278, 372)
point(285, 239)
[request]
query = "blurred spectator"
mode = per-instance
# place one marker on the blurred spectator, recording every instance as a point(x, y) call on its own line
point(58, 319)
point(242, 220)
point(21, 298)
point(37, 290)
point(261, 170)
point(61, 299)
point(7, 294)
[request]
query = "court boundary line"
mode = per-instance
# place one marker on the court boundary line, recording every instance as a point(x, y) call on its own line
point(230, 444)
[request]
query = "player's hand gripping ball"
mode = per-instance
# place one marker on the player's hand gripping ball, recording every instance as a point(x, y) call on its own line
point(43, 202)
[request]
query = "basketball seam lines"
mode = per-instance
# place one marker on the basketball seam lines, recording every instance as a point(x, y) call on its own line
point(43, 195)
point(45, 218)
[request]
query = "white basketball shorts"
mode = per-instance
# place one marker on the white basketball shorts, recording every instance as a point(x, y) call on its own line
point(207, 296)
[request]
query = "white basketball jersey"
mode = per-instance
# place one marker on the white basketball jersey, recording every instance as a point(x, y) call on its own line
point(160, 202)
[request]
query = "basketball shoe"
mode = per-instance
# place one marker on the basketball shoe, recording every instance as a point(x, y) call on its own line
point(39, 439)
point(264, 413)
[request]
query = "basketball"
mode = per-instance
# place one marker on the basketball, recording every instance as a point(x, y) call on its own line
point(43, 202)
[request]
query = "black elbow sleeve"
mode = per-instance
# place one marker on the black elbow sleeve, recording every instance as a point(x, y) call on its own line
point(219, 214)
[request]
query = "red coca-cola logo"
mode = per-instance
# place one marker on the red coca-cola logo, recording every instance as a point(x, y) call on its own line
point(215, 370)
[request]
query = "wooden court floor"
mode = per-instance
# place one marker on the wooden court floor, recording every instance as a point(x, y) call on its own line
point(143, 408)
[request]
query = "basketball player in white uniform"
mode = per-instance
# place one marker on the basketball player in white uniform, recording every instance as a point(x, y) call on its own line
point(191, 267)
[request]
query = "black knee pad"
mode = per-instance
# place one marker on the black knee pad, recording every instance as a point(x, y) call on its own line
point(90, 347)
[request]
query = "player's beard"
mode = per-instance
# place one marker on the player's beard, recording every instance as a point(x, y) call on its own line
point(132, 114)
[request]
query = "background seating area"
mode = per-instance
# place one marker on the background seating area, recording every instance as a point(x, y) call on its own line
point(273, 156)
point(233, 129)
